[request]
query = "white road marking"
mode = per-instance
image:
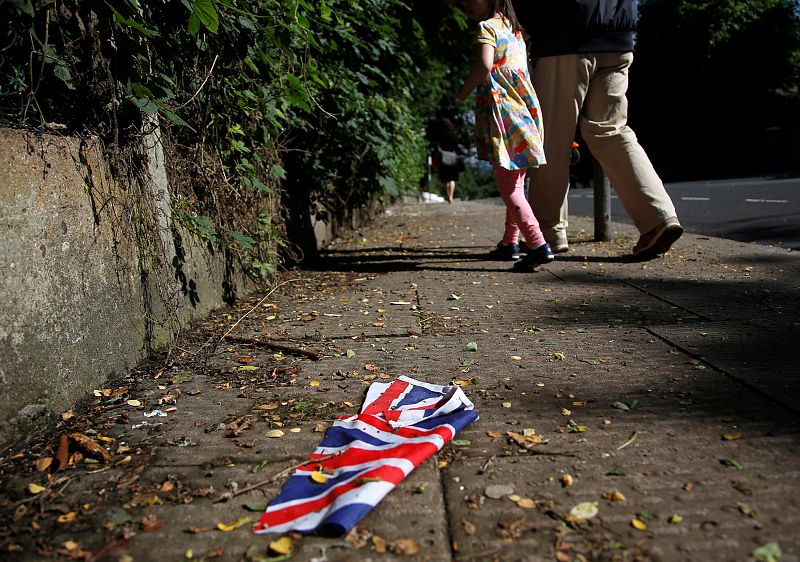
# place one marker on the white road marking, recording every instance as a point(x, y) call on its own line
point(766, 200)
point(695, 198)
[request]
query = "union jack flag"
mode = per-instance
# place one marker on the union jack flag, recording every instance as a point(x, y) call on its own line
point(401, 424)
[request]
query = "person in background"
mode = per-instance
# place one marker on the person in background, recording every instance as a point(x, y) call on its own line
point(447, 169)
point(508, 126)
point(581, 51)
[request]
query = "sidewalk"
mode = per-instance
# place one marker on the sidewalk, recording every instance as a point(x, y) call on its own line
point(666, 390)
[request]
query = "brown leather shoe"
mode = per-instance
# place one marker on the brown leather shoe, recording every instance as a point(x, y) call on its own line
point(660, 239)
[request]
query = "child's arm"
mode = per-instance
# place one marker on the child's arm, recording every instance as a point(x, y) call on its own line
point(478, 74)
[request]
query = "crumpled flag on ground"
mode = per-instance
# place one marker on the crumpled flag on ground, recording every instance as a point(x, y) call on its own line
point(401, 424)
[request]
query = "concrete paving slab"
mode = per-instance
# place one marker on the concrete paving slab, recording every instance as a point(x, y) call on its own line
point(669, 381)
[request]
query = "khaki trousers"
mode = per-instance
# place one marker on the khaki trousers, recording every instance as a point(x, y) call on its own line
point(589, 90)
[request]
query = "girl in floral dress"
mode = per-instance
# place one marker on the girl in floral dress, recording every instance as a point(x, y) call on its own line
point(508, 123)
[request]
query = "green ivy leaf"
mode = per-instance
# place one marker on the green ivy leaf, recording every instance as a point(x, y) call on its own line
point(193, 27)
point(147, 106)
point(62, 73)
point(173, 117)
point(207, 14)
point(324, 11)
point(245, 241)
point(277, 171)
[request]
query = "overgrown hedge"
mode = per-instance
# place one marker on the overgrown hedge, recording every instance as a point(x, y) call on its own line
point(323, 101)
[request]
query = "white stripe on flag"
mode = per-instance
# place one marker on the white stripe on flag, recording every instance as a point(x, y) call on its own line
point(374, 493)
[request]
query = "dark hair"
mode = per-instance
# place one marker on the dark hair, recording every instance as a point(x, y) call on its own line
point(506, 8)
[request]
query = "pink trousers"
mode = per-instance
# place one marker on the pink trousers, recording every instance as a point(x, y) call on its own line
point(519, 215)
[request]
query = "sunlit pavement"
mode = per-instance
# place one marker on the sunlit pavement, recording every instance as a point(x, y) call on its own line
point(629, 410)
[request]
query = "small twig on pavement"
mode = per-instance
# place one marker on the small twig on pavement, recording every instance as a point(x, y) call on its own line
point(246, 314)
point(277, 346)
point(628, 442)
point(274, 477)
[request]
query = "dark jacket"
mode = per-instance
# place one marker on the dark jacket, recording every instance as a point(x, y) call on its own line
point(562, 27)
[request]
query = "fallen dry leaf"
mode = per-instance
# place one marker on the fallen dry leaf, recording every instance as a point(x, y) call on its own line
point(67, 517)
point(90, 446)
point(233, 525)
point(614, 496)
point(318, 477)
point(525, 441)
point(43, 464)
point(282, 546)
point(62, 453)
point(379, 543)
point(584, 510)
point(526, 503)
point(469, 528)
point(151, 522)
point(404, 547)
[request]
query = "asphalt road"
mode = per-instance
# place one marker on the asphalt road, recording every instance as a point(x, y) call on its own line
point(764, 210)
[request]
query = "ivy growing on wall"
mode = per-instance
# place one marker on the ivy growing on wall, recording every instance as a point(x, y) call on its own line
point(256, 100)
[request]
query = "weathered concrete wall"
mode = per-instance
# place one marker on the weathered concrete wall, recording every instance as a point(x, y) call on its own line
point(82, 299)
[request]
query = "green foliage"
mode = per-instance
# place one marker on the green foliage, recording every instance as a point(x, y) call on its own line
point(254, 98)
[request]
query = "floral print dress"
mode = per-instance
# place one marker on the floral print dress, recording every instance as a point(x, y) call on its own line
point(508, 121)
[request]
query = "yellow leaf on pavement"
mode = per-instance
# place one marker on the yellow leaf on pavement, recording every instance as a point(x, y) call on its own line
point(35, 488)
point(638, 524)
point(233, 525)
point(282, 546)
point(584, 510)
point(614, 496)
point(526, 503)
point(67, 517)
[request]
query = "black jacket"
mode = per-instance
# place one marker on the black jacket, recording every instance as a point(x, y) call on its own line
point(561, 27)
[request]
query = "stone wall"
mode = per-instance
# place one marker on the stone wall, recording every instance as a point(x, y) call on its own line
point(83, 297)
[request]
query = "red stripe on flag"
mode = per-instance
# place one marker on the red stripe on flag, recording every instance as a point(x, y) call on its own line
point(408, 431)
point(389, 474)
point(415, 453)
point(384, 401)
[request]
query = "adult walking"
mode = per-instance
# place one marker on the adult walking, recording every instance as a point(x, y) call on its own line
point(581, 51)
point(446, 160)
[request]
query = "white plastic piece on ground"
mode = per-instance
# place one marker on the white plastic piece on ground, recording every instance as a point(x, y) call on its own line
point(428, 197)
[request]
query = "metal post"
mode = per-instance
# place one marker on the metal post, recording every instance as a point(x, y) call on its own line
point(602, 203)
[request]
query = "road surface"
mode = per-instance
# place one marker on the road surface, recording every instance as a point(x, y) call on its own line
point(764, 210)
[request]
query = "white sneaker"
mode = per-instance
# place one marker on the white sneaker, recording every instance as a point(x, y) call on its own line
point(559, 244)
